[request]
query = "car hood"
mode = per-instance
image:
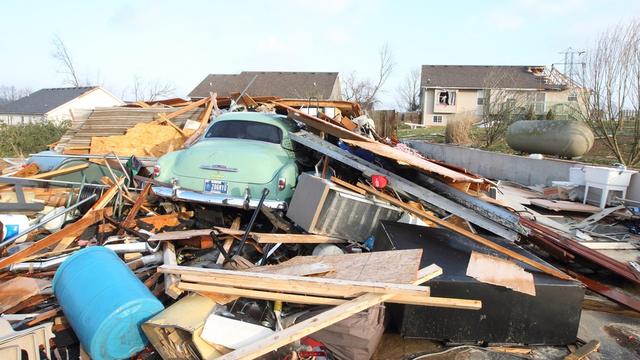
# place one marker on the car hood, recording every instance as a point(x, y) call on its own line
point(247, 161)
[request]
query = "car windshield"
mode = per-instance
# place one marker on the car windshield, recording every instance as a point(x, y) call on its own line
point(250, 130)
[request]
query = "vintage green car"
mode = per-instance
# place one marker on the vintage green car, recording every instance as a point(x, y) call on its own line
point(240, 154)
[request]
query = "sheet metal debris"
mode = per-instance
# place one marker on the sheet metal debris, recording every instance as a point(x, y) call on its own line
point(237, 278)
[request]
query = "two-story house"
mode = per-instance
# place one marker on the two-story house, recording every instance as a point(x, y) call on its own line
point(449, 91)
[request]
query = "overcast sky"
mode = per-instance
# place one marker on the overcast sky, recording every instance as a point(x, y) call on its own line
point(111, 42)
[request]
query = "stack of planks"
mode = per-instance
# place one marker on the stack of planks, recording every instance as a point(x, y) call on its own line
point(350, 282)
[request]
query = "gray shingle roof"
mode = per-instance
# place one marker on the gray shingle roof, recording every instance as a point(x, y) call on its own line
point(481, 77)
point(44, 100)
point(269, 83)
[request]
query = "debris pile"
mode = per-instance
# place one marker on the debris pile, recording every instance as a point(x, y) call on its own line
point(240, 227)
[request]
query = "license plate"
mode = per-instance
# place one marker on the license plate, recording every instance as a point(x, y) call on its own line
point(215, 186)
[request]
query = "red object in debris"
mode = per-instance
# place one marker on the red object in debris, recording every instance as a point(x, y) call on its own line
point(379, 181)
point(156, 171)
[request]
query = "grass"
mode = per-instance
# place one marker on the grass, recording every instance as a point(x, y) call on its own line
point(23, 139)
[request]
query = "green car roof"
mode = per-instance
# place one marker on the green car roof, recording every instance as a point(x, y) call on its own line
point(280, 121)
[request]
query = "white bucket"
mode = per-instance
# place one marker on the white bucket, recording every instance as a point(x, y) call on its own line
point(13, 225)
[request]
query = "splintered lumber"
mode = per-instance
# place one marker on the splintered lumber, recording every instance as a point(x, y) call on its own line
point(293, 284)
point(130, 219)
point(163, 120)
point(323, 300)
point(375, 266)
point(187, 108)
point(412, 160)
point(497, 271)
point(170, 280)
point(322, 125)
point(261, 238)
point(74, 229)
point(19, 289)
point(583, 351)
point(348, 185)
point(50, 174)
point(477, 238)
point(63, 171)
point(108, 195)
point(320, 321)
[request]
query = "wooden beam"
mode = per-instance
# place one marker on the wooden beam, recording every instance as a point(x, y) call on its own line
point(311, 325)
point(323, 300)
point(129, 221)
point(163, 119)
point(170, 280)
point(584, 350)
point(294, 284)
point(74, 229)
point(187, 108)
point(261, 238)
point(348, 185)
point(319, 124)
point(477, 238)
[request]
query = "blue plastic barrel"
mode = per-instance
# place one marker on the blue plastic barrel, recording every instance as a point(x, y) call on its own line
point(104, 302)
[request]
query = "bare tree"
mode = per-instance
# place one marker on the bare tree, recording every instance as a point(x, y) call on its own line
point(366, 91)
point(65, 61)
point(501, 106)
point(11, 93)
point(142, 90)
point(408, 97)
point(611, 107)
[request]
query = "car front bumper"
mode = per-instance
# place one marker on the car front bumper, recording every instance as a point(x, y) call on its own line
point(215, 199)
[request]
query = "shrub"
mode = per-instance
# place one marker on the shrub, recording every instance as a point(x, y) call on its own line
point(23, 139)
point(458, 130)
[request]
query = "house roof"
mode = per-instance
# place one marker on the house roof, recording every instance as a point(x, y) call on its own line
point(44, 100)
point(269, 83)
point(484, 76)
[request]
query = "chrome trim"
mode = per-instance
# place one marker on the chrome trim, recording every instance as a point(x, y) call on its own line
point(218, 167)
point(215, 199)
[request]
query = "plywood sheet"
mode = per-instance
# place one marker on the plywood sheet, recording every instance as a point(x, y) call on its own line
point(397, 266)
point(563, 205)
point(144, 139)
point(497, 271)
point(19, 289)
point(422, 164)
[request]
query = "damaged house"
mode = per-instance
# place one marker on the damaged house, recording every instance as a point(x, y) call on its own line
point(449, 91)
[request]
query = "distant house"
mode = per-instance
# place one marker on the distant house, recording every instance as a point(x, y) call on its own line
point(305, 85)
point(54, 104)
point(448, 91)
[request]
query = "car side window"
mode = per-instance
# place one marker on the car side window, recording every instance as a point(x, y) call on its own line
point(250, 130)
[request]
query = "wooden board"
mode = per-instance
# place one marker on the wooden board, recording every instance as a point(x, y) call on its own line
point(261, 238)
point(318, 322)
point(405, 158)
point(494, 270)
point(322, 125)
point(74, 229)
point(563, 205)
point(19, 289)
point(376, 266)
point(477, 238)
point(293, 284)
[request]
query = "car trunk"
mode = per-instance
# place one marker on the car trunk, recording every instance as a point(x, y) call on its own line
point(254, 161)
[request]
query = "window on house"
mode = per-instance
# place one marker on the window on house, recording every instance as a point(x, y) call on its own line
point(539, 103)
point(447, 98)
point(480, 97)
point(573, 97)
point(437, 119)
